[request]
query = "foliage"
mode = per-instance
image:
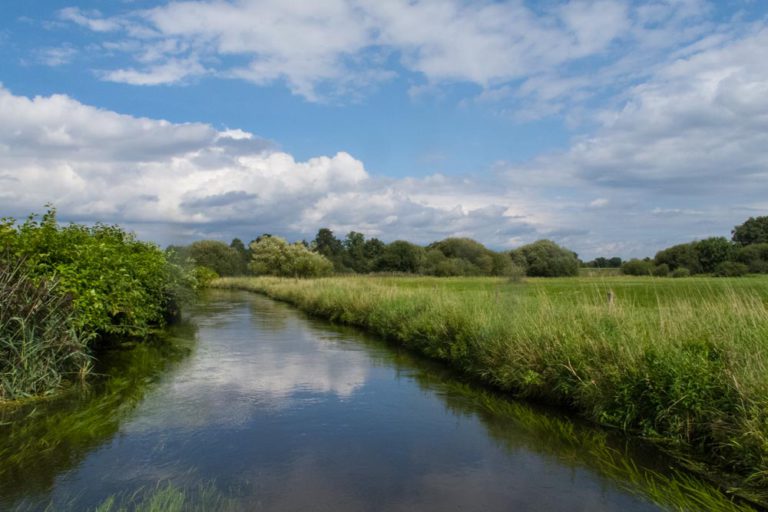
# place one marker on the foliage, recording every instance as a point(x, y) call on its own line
point(712, 252)
point(755, 256)
point(602, 262)
point(681, 272)
point(274, 256)
point(731, 269)
point(401, 256)
point(544, 258)
point(753, 231)
point(637, 267)
point(217, 256)
point(39, 347)
point(119, 285)
point(681, 255)
point(661, 270)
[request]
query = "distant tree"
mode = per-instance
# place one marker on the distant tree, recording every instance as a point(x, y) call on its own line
point(712, 252)
point(217, 256)
point(681, 255)
point(239, 246)
point(731, 269)
point(274, 256)
point(354, 253)
point(328, 245)
point(544, 258)
point(614, 262)
point(480, 259)
point(755, 256)
point(637, 267)
point(753, 231)
point(373, 249)
point(401, 256)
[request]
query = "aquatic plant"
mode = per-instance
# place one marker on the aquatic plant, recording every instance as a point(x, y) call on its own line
point(40, 347)
point(683, 363)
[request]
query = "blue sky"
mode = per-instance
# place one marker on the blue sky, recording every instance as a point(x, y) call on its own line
point(615, 127)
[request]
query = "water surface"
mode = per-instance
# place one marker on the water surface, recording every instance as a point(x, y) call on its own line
point(276, 411)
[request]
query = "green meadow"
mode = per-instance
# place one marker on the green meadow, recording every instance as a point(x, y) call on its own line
point(682, 362)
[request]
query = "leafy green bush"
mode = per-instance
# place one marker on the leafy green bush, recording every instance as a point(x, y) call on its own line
point(661, 270)
point(544, 258)
point(681, 272)
point(119, 285)
point(272, 255)
point(636, 267)
point(731, 269)
point(755, 256)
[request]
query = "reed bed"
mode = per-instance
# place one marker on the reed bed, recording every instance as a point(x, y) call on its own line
point(39, 347)
point(684, 364)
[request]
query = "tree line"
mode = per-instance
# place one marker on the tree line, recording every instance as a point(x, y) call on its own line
point(327, 254)
point(746, 252)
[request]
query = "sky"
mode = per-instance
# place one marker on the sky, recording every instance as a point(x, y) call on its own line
point(613, 127)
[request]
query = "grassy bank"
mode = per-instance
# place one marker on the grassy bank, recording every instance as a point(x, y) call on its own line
point(682, 362)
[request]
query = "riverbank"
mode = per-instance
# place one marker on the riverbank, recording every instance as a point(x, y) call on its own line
point(681, 362)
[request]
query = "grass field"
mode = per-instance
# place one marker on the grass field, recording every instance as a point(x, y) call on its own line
point(681, 361)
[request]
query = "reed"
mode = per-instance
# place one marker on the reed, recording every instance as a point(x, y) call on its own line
point(683, 363)
point(40, 349)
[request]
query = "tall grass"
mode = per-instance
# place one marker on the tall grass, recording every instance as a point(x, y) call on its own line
point(688, 370)
point(39, 348)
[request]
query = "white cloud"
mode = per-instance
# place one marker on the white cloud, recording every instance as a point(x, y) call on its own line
point(95, 164)
point(57, 56)
point(334, 46)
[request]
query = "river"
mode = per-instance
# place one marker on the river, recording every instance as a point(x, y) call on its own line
point(266, 409)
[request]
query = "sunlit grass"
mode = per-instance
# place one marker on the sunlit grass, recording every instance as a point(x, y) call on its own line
point(683, 362)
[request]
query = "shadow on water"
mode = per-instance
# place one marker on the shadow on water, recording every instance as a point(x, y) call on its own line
point(261, 408)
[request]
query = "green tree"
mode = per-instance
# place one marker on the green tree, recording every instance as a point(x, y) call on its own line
point(217, 256)
point(354, 253)
point(401, 256)
point(680, 255)
point(712, 252)
point(637, 267)
point(544, 258)
point(275, 256)
point(755, 256)
point(753, 231)
point(326, 244)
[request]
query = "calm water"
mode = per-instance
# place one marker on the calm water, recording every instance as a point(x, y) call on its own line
point(274, 411)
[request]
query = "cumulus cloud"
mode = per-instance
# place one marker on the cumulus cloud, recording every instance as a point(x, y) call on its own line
point(195, 180)
point(509, 49)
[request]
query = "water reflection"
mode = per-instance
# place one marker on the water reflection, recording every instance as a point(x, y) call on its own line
point(286, 413)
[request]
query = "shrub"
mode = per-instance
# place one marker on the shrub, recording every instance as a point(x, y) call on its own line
point(272, 255)
point(681, 272)
point(681, 255)
point(544, 258)
point(731, 269)
point(661, 270)
point(119, 285)
point(755, 256)
point(636, 267)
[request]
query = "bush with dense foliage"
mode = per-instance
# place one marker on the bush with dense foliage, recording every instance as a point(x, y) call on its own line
point(272, 255)
point(637, 267)
point(544, 258)
point(119, 285)
point(217, 256)
point(731, 269)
